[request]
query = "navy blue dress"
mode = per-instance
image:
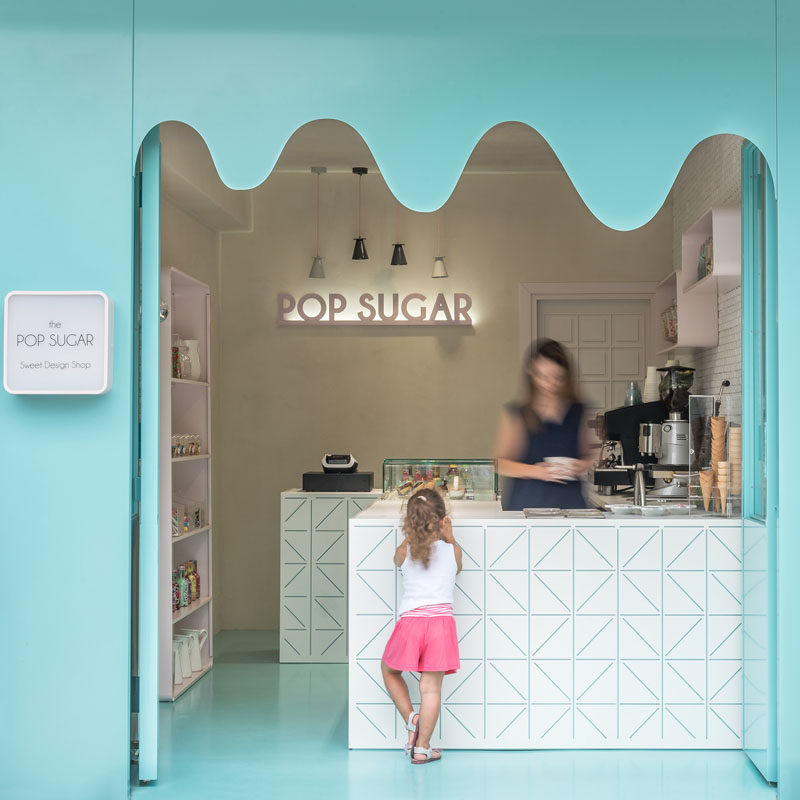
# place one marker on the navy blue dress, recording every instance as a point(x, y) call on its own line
point(550, 439)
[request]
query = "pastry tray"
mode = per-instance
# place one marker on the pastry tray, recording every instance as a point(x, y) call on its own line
point(583, 513)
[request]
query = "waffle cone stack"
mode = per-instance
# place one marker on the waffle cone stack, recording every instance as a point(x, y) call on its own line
point(719, 453)
point(706, 484)
point(723, 481)
point(735, 458)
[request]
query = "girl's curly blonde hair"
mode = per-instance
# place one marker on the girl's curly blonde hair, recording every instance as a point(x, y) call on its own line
point(424, 515)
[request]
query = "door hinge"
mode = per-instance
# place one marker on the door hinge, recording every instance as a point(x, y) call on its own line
point(137, 489)
point(139, 190)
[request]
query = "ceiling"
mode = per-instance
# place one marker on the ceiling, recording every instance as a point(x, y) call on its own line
point(508, 147)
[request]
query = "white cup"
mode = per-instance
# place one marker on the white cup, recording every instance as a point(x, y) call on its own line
point(183, 651)
point(564, 464)
point(196, 639)
point(177, 671)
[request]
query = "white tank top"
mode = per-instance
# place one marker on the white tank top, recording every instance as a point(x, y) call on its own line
point(431, 586)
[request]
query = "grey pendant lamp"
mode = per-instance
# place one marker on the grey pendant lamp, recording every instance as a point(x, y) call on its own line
point(439, 269)
point(360, 249)
point(398, 254)
point(317, 268)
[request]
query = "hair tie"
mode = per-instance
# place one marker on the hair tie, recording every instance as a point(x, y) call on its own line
point(422, 497)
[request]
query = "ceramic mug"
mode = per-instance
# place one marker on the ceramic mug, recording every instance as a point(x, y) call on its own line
point(197, 638)
point(193, 352)
point(183, 651)
point(177, 671)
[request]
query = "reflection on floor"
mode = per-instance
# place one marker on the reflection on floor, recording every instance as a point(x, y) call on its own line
point(253, 728)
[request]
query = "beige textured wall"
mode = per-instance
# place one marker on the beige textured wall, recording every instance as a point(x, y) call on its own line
point(290, 394)
point(194, 249)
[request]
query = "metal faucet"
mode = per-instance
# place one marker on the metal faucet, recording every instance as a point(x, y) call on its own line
point(639, 495)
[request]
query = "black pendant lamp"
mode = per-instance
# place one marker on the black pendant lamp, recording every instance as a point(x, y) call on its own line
point(360, 249)
point(317, 267)
point(439, 269)
point(398, 255)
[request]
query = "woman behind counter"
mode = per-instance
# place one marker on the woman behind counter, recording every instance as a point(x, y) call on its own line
point(548, 424)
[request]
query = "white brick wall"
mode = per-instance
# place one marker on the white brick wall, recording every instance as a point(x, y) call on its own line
point(724, 361)
point(711, 176)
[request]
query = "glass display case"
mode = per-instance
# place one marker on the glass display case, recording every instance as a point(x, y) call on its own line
point(715, 459)
point(456, 478)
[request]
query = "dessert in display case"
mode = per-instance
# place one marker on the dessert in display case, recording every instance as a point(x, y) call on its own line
point(715, 468)
point(457, 479)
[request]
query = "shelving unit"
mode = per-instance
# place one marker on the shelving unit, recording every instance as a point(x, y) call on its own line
point(198, 457)
point(696, 300)
point(182, 613)
point(724, 226)
point(185, 408)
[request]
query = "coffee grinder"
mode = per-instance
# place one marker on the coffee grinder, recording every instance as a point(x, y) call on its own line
point(672, 474)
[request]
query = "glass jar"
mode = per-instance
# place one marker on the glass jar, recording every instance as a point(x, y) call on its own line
point(184, 363)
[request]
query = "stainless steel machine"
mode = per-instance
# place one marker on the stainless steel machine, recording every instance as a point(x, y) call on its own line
point(654, 435)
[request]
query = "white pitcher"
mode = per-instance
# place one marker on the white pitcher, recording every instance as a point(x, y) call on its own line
point(197, 638)
point(183, 651)
point(193, 351)
point(177, 670)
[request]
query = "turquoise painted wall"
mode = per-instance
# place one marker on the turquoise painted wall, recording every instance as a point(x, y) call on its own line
point(65, 223)
point(622, 92)
point(788, 193)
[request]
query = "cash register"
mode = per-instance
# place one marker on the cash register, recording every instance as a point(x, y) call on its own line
point(339, 474)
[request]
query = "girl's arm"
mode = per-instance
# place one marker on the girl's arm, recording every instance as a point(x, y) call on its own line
point(447, 536)
point(400, 553)
point(457, 554)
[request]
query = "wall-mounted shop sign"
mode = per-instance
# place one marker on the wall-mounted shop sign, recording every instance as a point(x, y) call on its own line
point(374, 309)
point(57, 343)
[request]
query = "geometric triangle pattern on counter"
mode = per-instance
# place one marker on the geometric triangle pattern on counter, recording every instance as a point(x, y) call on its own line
point(589, 635)
point(313, 583)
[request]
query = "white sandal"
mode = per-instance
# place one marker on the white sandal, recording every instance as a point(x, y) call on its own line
point(410, 726)
point(430, 754)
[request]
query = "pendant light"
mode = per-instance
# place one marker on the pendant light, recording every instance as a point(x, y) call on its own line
point(360, 250)
point(439, 269)
point(317, 268)
point(398, 255)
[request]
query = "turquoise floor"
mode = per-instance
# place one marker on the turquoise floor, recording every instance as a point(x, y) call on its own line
point(253, 728)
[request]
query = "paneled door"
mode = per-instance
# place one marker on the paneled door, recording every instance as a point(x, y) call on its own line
point(607, 340)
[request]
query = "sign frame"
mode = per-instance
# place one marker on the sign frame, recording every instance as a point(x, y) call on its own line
point(108, 348)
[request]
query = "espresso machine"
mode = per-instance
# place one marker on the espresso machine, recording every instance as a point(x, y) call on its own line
point(654, 435)
point(622, 426)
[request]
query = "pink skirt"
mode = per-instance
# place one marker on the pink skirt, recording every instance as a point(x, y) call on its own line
point(423, 644)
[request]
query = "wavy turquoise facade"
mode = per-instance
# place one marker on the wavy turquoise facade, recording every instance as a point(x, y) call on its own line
point(621, 91)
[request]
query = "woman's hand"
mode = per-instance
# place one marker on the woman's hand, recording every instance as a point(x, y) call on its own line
point(549, 471)
point(578, 466)
point(446, 531)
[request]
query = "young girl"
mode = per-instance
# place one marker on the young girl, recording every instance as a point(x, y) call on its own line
point(424, 639)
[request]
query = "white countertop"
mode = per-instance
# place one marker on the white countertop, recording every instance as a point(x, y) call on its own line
point(390, 511)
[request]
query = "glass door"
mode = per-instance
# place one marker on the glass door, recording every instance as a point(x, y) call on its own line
point(759, 467)
point(148, 539)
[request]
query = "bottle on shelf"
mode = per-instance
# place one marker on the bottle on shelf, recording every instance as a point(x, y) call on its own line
point(191, 576)
point(469, 484)
point(183, 586)
point(176, 592)
point(196, 577)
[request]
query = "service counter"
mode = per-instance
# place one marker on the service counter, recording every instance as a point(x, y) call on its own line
point(621, 632)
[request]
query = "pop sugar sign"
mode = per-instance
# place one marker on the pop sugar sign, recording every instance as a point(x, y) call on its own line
point(57, 343)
